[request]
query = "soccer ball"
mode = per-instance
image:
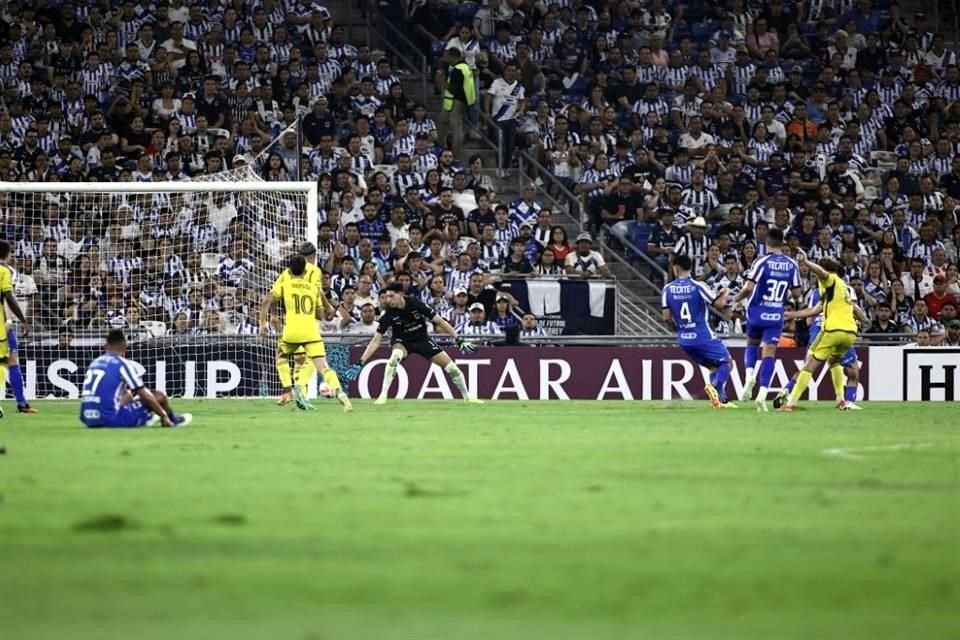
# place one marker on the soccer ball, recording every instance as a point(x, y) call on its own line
point(324, 390)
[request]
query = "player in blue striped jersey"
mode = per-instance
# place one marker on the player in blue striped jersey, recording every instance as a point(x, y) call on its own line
point(766, 285)
point(114, 396)
point(686, 302)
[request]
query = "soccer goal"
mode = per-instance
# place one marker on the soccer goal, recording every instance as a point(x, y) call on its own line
point(181, 266)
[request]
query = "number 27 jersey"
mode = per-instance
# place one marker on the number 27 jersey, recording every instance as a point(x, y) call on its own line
point(774, 276)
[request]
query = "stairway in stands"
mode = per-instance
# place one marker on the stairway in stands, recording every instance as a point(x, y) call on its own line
point(638, 304)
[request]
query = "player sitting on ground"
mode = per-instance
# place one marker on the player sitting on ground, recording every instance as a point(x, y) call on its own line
point(838, 334)
point(686, 302)
point(304, 370)
point(849, 361)
point(406, 317)
point(8, 339)
point(765, 287)
point(303, 305)
point(107, 398)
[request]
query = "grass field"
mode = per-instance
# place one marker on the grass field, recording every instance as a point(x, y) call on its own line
point(510, 520)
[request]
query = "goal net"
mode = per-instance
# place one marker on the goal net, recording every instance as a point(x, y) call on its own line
point(181, 266)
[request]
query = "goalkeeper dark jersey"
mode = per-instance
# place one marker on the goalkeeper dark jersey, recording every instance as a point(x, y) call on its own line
point(408, 324)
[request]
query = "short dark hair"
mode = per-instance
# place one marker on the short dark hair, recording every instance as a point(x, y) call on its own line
point(829, 264)
point(115, 338)
point(297, 265)
point(4, 249)
point(775, 238)
point(682, 262)
point(396, 287)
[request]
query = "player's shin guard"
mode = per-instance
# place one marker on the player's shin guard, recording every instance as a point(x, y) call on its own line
point(330, 377)
point(750, 355)
point(839, 379)
point(283, 370)
point(850, 394)
point(457, 377)
point(390, 371)
point(719, 380)
point(16, 383)
point(803, 380)
point(304, 373)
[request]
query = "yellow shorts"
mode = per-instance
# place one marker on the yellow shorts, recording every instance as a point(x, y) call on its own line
point(4, 350)
point(832, 344)
point(312, 349)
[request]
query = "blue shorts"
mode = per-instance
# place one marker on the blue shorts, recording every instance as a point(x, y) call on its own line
point(707, 354)
point(134, 414)
point(11, 338)
point(849, 357)
point(766, 332)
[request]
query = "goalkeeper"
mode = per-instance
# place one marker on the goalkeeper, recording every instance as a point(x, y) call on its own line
point(406, 317)
point(304, 369)
point(303, 303)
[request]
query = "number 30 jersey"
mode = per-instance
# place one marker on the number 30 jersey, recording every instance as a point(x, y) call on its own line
point(774, 276)
point(689, 302)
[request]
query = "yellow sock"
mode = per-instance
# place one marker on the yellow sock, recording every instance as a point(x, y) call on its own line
point(839, 380)
point(283, 370)
point(304, 373)
point(330, 377)
point(803, 380)
point(3, 375)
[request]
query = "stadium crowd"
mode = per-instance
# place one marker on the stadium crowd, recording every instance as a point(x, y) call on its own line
point(683, 128)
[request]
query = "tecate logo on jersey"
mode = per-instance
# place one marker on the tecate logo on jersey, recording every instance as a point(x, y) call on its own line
point(770, 316)
point(688, 336)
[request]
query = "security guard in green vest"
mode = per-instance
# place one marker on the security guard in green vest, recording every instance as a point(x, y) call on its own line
point(459, 96)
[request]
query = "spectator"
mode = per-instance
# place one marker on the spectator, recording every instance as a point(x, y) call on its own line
point(936, 299)
point(584, 261)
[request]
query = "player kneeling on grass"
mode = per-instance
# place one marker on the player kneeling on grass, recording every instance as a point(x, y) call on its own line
point(837, 335)
point(406, 318)
point(686, 302)
point(303, 306)
point(107, 399)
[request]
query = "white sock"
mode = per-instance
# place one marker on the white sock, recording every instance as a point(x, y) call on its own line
point(391, 370)
point(762, 393)
point(457, 376)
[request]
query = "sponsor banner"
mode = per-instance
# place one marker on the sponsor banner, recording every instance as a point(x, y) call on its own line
point(581, 373)
point(224, 369)
point(915, 374)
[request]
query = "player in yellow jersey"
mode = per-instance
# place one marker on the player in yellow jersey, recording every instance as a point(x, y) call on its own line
point(303, 305)
point(838, 334)
point(6, 296)
point(303, 366)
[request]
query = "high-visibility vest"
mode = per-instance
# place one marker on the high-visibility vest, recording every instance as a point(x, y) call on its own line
point(468, 88)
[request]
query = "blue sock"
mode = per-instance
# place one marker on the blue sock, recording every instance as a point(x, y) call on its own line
point(791, 384)
point(750, 356)
point(850, 394)
point(175, 419)
point(766, 371)
point(719, 380)
point(15, 378)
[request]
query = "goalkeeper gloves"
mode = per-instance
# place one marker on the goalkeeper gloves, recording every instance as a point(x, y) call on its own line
point(465, 347)
point(352, 372)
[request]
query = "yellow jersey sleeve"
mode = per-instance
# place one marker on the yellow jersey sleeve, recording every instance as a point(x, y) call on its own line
point(837, 305)
point(6, 280)
point(277, 288)
point(314, 274)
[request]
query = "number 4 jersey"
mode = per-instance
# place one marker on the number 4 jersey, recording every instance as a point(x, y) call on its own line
point(774, 276)
point(689, 303)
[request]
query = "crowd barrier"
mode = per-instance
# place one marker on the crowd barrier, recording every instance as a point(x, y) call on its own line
point(215, 368)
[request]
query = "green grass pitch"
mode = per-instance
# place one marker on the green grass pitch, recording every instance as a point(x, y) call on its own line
point(511, 520)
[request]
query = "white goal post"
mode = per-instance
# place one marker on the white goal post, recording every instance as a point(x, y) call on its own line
point(181, 266)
